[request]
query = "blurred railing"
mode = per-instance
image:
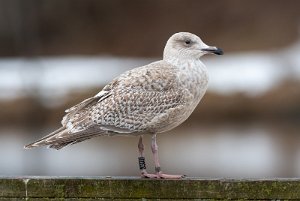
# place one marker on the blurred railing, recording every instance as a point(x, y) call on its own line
point(133, 188)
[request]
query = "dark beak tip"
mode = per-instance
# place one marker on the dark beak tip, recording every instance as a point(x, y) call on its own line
point(219, 51)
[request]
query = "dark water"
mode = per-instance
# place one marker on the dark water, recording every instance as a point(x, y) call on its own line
point(247, 150)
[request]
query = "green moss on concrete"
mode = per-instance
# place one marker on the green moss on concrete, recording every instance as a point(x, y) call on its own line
point(12, 188)
point(46, 188)
point(67, 188)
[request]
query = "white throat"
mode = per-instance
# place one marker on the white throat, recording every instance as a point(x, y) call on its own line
point(183, 64)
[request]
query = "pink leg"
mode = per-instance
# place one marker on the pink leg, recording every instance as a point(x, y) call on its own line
point(142, 163)
point(154, 148)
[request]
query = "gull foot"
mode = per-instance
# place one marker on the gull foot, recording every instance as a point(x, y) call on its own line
point(160, 175)
point(170, 176)
point(149, 176)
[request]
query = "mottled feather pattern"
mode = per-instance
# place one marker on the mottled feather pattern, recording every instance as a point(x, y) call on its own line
point(150, 99)
point(135, 99)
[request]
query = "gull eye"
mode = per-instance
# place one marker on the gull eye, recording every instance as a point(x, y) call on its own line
point(188, 42)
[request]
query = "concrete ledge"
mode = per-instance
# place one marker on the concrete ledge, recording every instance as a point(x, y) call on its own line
point(134, 188)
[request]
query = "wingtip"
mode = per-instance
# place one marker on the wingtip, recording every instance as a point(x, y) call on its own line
point(30, 146)
point(27, 147)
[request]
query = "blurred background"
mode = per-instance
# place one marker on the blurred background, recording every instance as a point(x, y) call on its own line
point(54, 54)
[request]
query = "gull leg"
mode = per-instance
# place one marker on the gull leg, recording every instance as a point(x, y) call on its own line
point(142, 163)
point(154, 148)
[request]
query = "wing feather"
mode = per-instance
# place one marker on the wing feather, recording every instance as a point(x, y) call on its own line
point(137, 101)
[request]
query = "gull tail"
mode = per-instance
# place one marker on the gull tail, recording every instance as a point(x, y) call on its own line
point(48, 139)
point(62, 137)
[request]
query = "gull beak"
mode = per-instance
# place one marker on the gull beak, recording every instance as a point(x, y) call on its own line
point(213, 50)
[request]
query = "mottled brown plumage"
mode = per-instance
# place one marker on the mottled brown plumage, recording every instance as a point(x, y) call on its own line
point(147, 100)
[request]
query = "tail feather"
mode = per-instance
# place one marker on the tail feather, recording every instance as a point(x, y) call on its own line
point(44, 141)
point(76, 117)
point(61, 138)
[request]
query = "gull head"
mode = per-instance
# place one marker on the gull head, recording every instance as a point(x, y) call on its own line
point(187, 46)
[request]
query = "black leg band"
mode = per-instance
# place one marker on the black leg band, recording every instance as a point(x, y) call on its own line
point(157, 169)
point(142, 163)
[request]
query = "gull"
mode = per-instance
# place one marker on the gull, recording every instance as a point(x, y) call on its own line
point(150, 99)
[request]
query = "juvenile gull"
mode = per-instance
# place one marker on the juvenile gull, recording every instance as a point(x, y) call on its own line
point(146, 100)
